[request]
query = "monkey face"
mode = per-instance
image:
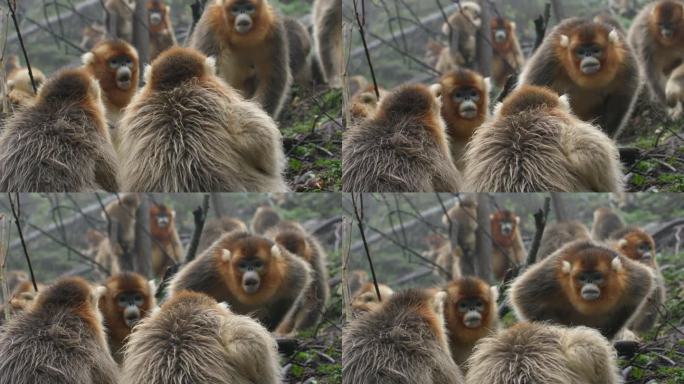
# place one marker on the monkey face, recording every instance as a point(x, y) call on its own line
point(500, 30)
point(163, 219)
point(589, 284)
point(473, 15)
point(242, 13)
point(638, 247)
point(467, 99)
point(156, 17)
point(589, 58)
point(129, 304)
point(668, 18)
point(122, 68)
point(506, 227)
point(471, 309)
point(251, 270)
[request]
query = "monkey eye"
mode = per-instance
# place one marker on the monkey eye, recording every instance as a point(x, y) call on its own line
point(122, 301)
point(258, 264)
point(113, 64)
point(249, 8)
point(462, 306)
point(242, 265)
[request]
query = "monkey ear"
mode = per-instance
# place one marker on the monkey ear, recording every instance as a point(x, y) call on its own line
point(224, 305)
point(616, 264)
point(614, 36)
point(210, 65)
point(517, 219)
point(622, 243)
point(566, 266)
point(491, 216)
point(488, 85)
point(438, 302)
point(565, 102)
point(87, 58)
point(436, 90)
point(275, 252)
point(99, 291)
point(564, 41)
point(153, 287)
point(494, 290)
point(512, 26)
point(147, 74)
point(226, 255)
point(497, 109)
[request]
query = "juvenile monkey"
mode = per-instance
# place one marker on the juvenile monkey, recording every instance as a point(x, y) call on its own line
point(264, 219)
point(167, 249)
point(583, 283)
point(674, 93)
point(403, 341)
point(507, 245)
point(657, 37)
point(194, 339)
point(59, 340)
point(126, 300)
point(535, 143)
point(249, 41)
point(544, 353)
point(23, 296)
point(186, 130)
point(593, 64)
point(364, 103)
point(560, 233)
point(605, 222)
point(253, 274)
point(461, 28)
point(403, 148)
point(120, 18)
point(162, 35)
point(120, 213)
point(308, 311)
point(61, 142)
point(638, 245)
point(470, 313)
point(327, 33)
point(365, 299)
point(215, 227)
point(465, 106)
point(464, 216)
point(508, 58)
point(20, 89)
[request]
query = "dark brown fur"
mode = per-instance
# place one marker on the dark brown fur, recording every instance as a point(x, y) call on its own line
point(605, 222)
point(560, 233)
point(327, 34)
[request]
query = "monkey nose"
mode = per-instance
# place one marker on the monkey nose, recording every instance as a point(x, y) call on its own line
point(500, 36)
point(250, 285)
point(666, 32)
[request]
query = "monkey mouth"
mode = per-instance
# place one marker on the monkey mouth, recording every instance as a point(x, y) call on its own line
point(500, 37)
point(472, 321)
point(124, 82)
point(590, 67)
point(590, 294)
point(666, 33)
point(468, 112)
point(250, 287)
point(131, 321)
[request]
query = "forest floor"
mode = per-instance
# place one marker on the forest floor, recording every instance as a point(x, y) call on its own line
point(660, 357)
point(311, 124)
point(659, 165)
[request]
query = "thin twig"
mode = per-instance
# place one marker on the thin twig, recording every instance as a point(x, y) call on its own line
point(358, 213)
point(365, 48)
point(15, 214)
point(23, 49)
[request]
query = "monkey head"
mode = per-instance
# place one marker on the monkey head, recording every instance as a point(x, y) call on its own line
point(469, 303)
point(177, 65)
point(21, 81)
point(127, 299)
point(504, 225)
point(72, 293)
point(530, 97)
point(667, 22)
point(413, 101)
point(252, 267)
point(591, 276)
point(156, 13)
point(591, 53)
point(71, 86)
point(161, 220)
point(465, 100)
point(364, 103)
point(295, 243)
point(472, 12)
point(638, 246)
point(247, 18)
point(115, 64)
point(366, 299)
point(502, 31)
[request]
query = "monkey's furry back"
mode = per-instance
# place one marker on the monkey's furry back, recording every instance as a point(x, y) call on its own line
point(199, 138)
point(53, 348)
point(60, 151)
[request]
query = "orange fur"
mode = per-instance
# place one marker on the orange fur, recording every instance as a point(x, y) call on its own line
point(461, 128)
point(158, 6)
point(222, 21)
point(672, 12)
point(103, 52)
point(507, 249)
point(630, 246)
point(166, 245)
point(73, 293)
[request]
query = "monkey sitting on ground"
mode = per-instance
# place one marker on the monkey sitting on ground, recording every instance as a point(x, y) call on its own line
point(583, 283)
point(674, 93)
point(120, 18)
point(639, 246)
point(194, 339)
point(364, 103)
point(560, 233)
point(461, 28)
point(508, 58)
point(470, 313)
point(162, 35)
point(465, 106)
point(534, 143)
point(20, 89)
point(264, 219)
point(59, 340)
point(544, 353)
point(253, 274)
point(167, 249)
point(403, 148)
point(127, 299)
point(365, 298)
point(61, 142)
point(216, 141)
point(403, 341)
point(605, 222)
point(593, 64)
point(327, 34)
point(114, 63)
point(249, 41)
point(657, 37)
point(215, 227)
point(507, 245)
point(308, 311)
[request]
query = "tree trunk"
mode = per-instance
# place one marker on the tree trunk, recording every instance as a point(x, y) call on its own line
point(484, 43)
point(558, 11)
point(141, 33)
point(143, 242)
point(483, 263)
point(559, 206)
point(217, 202)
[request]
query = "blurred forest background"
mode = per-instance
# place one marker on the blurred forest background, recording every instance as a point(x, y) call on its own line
point(398, 227)
point(401, 37)
point(311, 123)
point(54, 228)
